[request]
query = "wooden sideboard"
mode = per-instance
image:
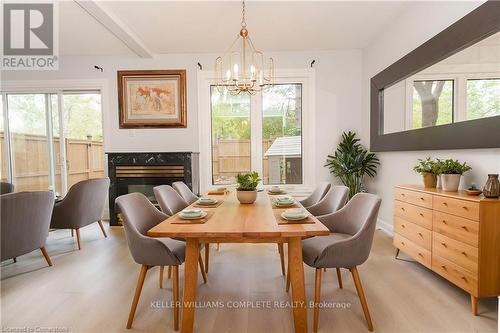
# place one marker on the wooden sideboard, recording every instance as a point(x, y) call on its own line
point(453, 234)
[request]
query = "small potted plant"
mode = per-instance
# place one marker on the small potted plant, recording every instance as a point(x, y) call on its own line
point(428, 168)
point(247, 187)
point(451, 171)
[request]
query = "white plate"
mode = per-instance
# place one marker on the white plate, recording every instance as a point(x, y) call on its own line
point(294, 218)
point(191, 211)
point(193, 217)
point(276, 192)
point(284, 203)
point(207, 202)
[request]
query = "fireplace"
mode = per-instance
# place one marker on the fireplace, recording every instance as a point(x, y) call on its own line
point(140, 172)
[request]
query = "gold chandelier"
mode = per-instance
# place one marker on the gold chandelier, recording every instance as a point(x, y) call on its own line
point(242, 67)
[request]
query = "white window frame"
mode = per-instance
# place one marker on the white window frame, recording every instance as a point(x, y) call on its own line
point(459, 92)
point(305, 77)
point(52, 87)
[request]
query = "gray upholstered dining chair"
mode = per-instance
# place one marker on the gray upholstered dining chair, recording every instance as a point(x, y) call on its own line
point(335, 198)
point(25, 218)
point(185, 192)
point(6, 188)
point(82, 205)
point(171, 202)
point(348, 246)
point(139, 215)
point(318, 193)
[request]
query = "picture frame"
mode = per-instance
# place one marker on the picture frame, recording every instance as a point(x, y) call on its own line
point(152, 98)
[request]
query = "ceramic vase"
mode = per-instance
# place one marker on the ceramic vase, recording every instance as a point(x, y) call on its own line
point(492, 187)
point(246, 197)
point(450, 182)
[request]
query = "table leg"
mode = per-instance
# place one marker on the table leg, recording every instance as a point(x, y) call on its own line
point(190, 282)
point(297, 281)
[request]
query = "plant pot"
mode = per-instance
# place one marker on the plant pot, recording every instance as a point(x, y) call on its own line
point(430, 180)
point(450, 182)
point(246, 197)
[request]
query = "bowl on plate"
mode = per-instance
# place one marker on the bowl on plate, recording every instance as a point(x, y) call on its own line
point(207, 201)
point(191, 212)
point(295, 214)
point(192, 216)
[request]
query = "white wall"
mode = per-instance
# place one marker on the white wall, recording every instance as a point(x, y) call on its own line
point(338, 97)
point(418, 24)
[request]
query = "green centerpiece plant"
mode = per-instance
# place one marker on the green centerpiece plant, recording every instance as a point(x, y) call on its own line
point(351, 162)
point(247, 187)
point(451, 171)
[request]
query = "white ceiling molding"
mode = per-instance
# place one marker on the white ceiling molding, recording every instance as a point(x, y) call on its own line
point(116, 27)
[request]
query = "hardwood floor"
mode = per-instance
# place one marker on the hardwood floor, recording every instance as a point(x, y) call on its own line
point(91, 290)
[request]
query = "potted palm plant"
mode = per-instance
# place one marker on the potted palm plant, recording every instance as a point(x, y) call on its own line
point(247, 187)
point(429, 170)
point(451, 171)
point(351, 162)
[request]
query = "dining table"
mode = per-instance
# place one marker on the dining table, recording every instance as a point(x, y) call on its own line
point(232, 222)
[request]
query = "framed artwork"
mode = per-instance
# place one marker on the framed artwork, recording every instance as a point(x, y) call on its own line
point(152, 98)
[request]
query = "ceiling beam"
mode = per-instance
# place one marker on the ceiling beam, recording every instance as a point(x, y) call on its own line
point(116, 27)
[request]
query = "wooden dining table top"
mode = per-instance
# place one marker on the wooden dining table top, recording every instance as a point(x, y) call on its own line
point(232, 221)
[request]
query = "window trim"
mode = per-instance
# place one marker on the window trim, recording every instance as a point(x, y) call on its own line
point(306, 77)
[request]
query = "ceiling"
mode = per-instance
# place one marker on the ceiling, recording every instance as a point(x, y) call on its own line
point(210, 26)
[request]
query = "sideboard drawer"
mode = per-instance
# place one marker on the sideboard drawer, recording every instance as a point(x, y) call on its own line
point(455, 274)
point(455, 227)
point(457, 252)
point(419, 215)
point(463, 208)
point(416, 252)
point(414, 197)
point(417, 234)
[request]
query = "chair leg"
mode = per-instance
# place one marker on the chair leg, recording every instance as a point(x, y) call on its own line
point(162, 268)
point(362, 298)
point(339, 277)
point(169, 272)
point(102, 229)
point(202, 269)
point(138, 289)
point(218, 245)
point(46, 255)
point(288, 279)
point(317, 299)
point(207, 256)
point(15, 259)
point(72, 233)
point(282, 257)
point(78, 238)
point(175, 287)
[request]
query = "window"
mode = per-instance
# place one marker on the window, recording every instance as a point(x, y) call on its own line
point(230, 135)
point(55, 139)
point(282, 134)
point(432, 103)
point(483, 98)
point(267, 132)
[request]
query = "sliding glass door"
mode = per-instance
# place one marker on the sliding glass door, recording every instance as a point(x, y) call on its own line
point(51, 140)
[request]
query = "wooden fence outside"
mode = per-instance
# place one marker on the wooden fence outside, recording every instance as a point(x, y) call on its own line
point(230, 157)
point(85, 160)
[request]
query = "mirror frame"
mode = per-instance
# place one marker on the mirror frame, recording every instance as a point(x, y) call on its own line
point(482, 22)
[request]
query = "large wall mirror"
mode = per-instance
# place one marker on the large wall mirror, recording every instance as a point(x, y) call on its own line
point(446, 93)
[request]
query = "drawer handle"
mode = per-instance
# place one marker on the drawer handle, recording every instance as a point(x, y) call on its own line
point(465, 279)
point(420, 254)
point(402, 194)
point(465, 254)
point(420, 234)
point(466, 208)
point(421, 198)
point(443, 267)
point(421, 214)
point(403, 226)
point(444, 222)
point(403, 243)
point(403, 209)
point(444, 203)
point(465, 228)
point(444, 244)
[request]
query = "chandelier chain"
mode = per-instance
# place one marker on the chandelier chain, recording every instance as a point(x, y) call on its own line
point(243, 22)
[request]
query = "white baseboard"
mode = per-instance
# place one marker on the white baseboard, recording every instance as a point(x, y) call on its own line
point(385, 227)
